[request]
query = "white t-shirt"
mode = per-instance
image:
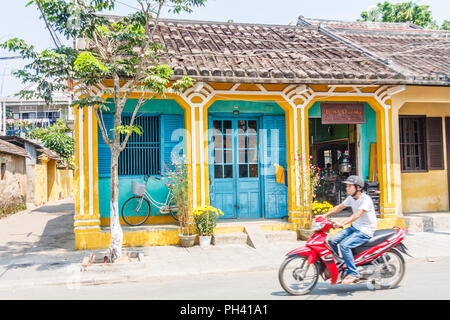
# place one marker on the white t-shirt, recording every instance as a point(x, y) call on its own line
point(367, 222)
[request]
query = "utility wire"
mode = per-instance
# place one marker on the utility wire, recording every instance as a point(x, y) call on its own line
point(10, 58)
point(53, 36)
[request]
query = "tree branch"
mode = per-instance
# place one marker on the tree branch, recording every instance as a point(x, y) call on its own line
point(136, 109)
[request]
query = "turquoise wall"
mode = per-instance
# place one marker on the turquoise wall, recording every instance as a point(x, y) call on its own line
point(368, 136)
point(368, 132)
point(156, 188)
point(166, 106)
point(263, 107)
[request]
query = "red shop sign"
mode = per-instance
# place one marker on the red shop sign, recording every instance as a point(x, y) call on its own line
point(342, 113)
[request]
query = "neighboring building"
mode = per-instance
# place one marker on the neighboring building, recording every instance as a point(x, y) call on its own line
point(420, 112)
point(17, 112)
point(13, 179)
point(46, 182)
point(318, 92)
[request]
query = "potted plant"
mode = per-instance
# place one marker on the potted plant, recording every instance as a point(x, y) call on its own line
point(312, 173)
point(205, 218)
point(319, 208)
point(176, 181)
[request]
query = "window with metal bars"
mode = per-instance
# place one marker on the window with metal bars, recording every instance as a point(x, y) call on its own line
point(413, 143)
point(141, 155)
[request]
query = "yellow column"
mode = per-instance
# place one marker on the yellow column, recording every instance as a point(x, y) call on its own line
point(297, 145)
point(87, 215)
point(386, 160)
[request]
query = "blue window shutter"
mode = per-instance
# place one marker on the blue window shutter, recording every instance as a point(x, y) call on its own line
point(275, 194)
point(104, 153)
point(172, 138)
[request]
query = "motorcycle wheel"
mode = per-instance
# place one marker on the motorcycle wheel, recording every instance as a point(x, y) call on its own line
point(294, 275)
point(392, 273)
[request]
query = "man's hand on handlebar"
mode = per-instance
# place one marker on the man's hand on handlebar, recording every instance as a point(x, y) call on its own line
point(337, 225)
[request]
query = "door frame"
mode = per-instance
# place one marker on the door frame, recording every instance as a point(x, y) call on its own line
point(446, 129)
point(227, 116)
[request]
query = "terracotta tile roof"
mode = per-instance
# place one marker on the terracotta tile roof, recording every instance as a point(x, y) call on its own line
point(422, 56)
point(9, 148)
point(218, 51)
point(41, 151)
point(358, 25)
point(47, 153)
point(315, 51)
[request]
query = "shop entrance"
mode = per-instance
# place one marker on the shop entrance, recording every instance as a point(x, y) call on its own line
point(333, 149)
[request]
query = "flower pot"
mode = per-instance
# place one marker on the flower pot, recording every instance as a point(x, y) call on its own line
point(204, 241)
point(187, 240)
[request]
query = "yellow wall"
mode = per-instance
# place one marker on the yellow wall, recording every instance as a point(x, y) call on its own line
point(426, 191)
point(40, 184)
point(52, 184)
point(63, 185)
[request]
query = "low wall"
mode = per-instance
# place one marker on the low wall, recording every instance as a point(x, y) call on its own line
point(13, 186)
point(52, 184)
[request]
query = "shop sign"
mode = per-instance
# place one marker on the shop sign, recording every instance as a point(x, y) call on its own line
point(342, 113)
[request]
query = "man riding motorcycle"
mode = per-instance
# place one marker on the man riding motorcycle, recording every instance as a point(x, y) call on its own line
point(363, 225)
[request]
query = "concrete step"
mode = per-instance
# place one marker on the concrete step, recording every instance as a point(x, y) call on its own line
point(281, 236)
point(256, 238)
point(427, 222)
point(229, 238)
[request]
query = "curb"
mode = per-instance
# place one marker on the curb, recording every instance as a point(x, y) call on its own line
point(76, 280)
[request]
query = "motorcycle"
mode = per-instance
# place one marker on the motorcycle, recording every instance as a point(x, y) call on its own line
point(379, 261)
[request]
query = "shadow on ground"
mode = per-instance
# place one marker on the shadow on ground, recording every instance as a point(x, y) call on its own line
point(56, 240)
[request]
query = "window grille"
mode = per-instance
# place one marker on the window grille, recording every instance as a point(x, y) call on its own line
point(141, 155)
point(413, 143)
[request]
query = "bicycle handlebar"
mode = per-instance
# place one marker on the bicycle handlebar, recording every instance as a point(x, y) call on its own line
point(147, 177)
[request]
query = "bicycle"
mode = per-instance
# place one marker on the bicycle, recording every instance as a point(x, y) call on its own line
point(139, 204)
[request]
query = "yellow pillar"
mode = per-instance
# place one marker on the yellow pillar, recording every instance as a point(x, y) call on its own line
point(296, 111)
point(386, 161)
point(87, 215)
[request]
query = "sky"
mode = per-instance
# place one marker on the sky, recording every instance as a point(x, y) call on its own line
point(16, 20)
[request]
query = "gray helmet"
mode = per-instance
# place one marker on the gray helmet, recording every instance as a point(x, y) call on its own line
point(357, 181)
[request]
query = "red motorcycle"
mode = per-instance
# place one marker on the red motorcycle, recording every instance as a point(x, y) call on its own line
point(378, 261)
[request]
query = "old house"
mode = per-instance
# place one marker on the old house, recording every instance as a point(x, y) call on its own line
point(46, 182)
point(13, 180)
point(371, 95)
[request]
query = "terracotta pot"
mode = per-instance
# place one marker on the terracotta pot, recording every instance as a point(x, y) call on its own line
point(204, 241)
point(187, 240)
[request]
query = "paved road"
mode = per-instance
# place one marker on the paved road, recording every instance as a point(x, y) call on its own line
point(424, 279)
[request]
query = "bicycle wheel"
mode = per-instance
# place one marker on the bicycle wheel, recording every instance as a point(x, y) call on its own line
point(136, 210)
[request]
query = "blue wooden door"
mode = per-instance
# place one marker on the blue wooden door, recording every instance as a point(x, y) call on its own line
point(222, 186)
point(234, 167)
point(274, 152)
point(247, 167)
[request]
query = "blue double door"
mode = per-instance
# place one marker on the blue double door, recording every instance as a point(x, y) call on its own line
point(241, 169)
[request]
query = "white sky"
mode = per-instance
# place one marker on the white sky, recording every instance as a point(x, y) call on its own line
point(16, 20)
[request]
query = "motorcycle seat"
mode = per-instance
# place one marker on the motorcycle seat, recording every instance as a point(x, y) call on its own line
point(378, 237)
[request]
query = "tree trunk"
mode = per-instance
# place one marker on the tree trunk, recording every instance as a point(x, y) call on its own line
point(115, 247)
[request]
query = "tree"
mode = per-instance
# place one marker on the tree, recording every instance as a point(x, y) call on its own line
point(401, 12)
point(121, 49)
point(55, 138)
